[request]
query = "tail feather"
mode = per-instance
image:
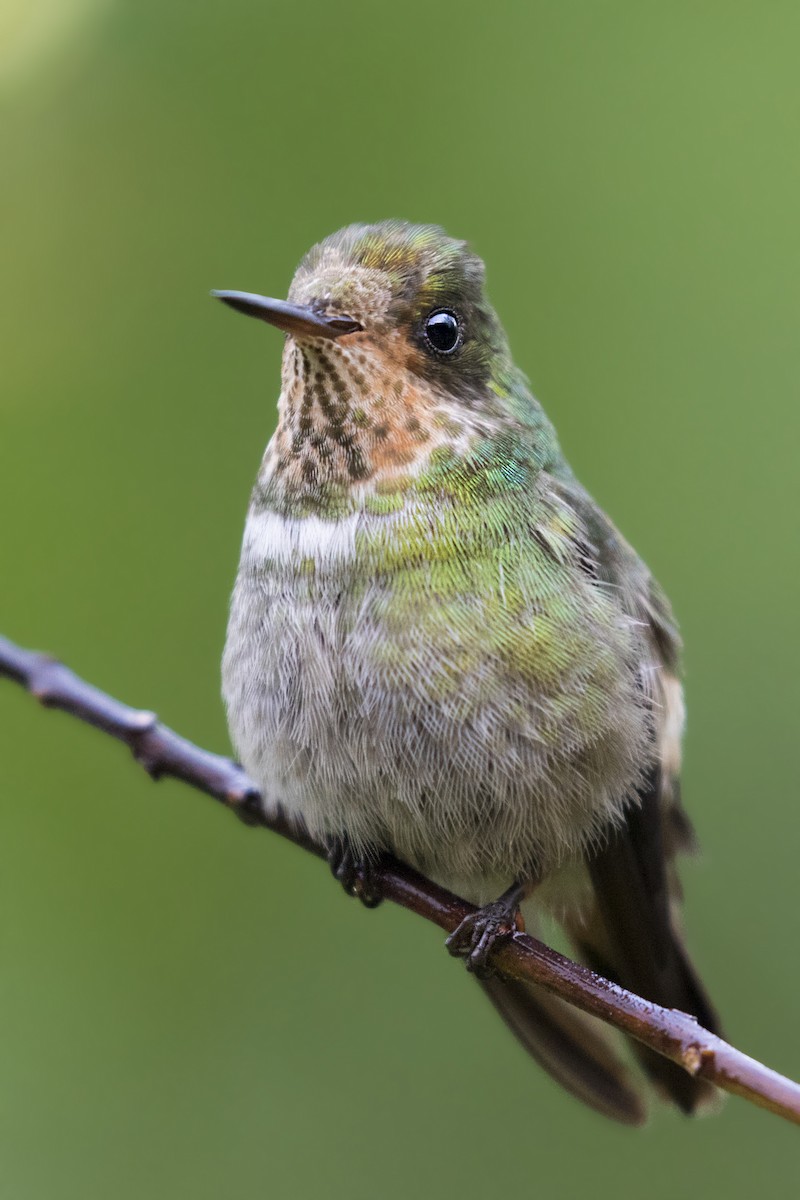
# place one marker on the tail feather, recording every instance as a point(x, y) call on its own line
point(629, 934)
point(692, 1095)
point(569, 1046)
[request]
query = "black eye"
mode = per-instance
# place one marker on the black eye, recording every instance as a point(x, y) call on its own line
point(443, 331)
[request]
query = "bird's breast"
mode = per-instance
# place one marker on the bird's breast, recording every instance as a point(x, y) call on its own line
point(434, 682)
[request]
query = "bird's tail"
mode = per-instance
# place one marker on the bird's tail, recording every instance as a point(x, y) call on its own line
point(630, 935)
point(580, 1052)
point(574, 1048)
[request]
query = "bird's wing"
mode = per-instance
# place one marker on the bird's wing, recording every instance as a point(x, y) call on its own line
point(632, 933)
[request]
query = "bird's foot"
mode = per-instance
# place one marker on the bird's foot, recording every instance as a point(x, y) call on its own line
point(357, 873)
point(478, 934)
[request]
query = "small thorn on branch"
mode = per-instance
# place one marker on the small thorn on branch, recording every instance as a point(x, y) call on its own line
point(162, 752)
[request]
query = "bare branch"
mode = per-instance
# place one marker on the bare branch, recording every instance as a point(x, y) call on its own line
point(161, 751)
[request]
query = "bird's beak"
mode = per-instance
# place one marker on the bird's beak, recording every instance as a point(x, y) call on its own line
point(298, 319)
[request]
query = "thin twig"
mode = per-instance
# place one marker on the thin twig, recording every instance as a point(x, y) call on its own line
point(161, 751)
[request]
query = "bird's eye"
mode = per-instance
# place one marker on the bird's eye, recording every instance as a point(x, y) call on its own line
point(443, 331)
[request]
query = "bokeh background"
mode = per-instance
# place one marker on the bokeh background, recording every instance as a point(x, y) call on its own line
point(192, 1008)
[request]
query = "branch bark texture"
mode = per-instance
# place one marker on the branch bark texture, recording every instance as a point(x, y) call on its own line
point(162, 752)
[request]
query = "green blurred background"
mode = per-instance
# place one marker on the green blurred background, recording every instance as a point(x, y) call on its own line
point(192, 1008)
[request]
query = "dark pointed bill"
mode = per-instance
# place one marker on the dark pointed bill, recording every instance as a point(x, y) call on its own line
point(291, 318)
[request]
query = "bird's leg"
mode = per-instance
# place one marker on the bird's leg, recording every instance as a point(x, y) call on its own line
point(478, 933)
point(356, 872)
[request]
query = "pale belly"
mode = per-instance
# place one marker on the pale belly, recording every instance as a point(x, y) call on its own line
point(382, 707)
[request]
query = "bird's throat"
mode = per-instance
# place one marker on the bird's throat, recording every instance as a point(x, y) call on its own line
point(352, 420)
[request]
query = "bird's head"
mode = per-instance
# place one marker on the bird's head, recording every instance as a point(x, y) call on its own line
point(392, 349)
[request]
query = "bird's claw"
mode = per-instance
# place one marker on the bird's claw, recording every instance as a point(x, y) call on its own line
point(480, 931)
point(357, 873)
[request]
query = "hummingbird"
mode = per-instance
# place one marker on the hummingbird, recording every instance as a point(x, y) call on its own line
point(440, 647)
